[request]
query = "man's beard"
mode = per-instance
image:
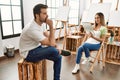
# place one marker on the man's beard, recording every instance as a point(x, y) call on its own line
point(42, 20)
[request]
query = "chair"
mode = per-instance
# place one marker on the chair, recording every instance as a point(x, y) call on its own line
point(32, 71)
point(98, 55)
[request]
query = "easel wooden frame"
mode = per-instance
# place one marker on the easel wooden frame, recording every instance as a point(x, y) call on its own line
point(65, 31)
point(65, 28)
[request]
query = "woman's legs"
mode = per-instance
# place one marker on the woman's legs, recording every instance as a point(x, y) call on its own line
point(78, 58)
point(86, 47)
point(90, 47)
point(79, 54)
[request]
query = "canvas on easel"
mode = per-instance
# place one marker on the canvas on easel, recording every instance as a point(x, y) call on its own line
point(62, 14)
point(114, 19)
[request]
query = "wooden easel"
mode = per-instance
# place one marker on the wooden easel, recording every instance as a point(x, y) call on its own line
point(65, 31)
point(65, 28)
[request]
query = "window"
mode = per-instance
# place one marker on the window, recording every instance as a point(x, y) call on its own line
point(74, 12)
point(53, 6)
point(11, 18)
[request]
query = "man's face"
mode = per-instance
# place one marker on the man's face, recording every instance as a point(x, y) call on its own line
point(43, 15)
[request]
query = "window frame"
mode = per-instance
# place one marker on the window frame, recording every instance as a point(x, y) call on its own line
point(12, 20)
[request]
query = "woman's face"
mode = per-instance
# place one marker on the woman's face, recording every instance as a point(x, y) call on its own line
point(97, 19)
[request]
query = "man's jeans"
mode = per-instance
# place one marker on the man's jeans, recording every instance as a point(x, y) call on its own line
point(50, 53)
point(86, 47)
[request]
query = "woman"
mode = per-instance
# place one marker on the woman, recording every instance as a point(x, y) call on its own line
point(94, 40)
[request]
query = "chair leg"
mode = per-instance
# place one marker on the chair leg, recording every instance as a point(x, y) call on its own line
point(99, 59)
point(97, 56)
point(103, 58)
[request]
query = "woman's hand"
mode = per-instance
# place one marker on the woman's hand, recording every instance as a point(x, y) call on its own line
point(89, 35)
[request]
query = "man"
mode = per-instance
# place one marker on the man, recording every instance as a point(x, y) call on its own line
point(34, 36)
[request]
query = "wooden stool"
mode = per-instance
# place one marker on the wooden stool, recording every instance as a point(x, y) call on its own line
point(32, 71)
point(73, 42)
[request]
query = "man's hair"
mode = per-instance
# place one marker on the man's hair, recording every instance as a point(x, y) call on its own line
point(37, 9)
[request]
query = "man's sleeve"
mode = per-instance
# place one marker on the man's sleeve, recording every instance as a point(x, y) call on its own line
point(36, 35)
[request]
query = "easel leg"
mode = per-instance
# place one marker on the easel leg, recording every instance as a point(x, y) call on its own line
point(65, 34)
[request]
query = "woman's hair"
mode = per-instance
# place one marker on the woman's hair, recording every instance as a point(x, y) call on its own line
point(102, 20)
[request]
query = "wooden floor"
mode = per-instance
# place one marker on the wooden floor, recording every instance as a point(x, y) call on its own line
point(8, 70)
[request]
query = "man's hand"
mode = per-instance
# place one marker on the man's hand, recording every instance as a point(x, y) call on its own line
point(49, 22)
point(59, 50)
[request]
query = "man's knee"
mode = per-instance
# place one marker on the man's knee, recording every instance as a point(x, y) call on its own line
point(54, 51)
point(59, 57)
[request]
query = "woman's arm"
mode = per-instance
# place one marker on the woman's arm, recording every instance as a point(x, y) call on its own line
point(102, 38)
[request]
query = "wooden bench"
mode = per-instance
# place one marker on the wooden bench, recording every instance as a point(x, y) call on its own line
point(32, 71)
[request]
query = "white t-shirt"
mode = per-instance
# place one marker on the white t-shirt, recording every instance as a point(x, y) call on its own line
point(97, 34)
point(30, 37)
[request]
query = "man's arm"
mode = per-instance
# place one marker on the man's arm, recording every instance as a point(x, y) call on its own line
point(46, 34)
point(50, 38)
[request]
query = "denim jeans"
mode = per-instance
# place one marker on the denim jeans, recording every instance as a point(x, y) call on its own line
point(50, 53)
point(86, 47)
